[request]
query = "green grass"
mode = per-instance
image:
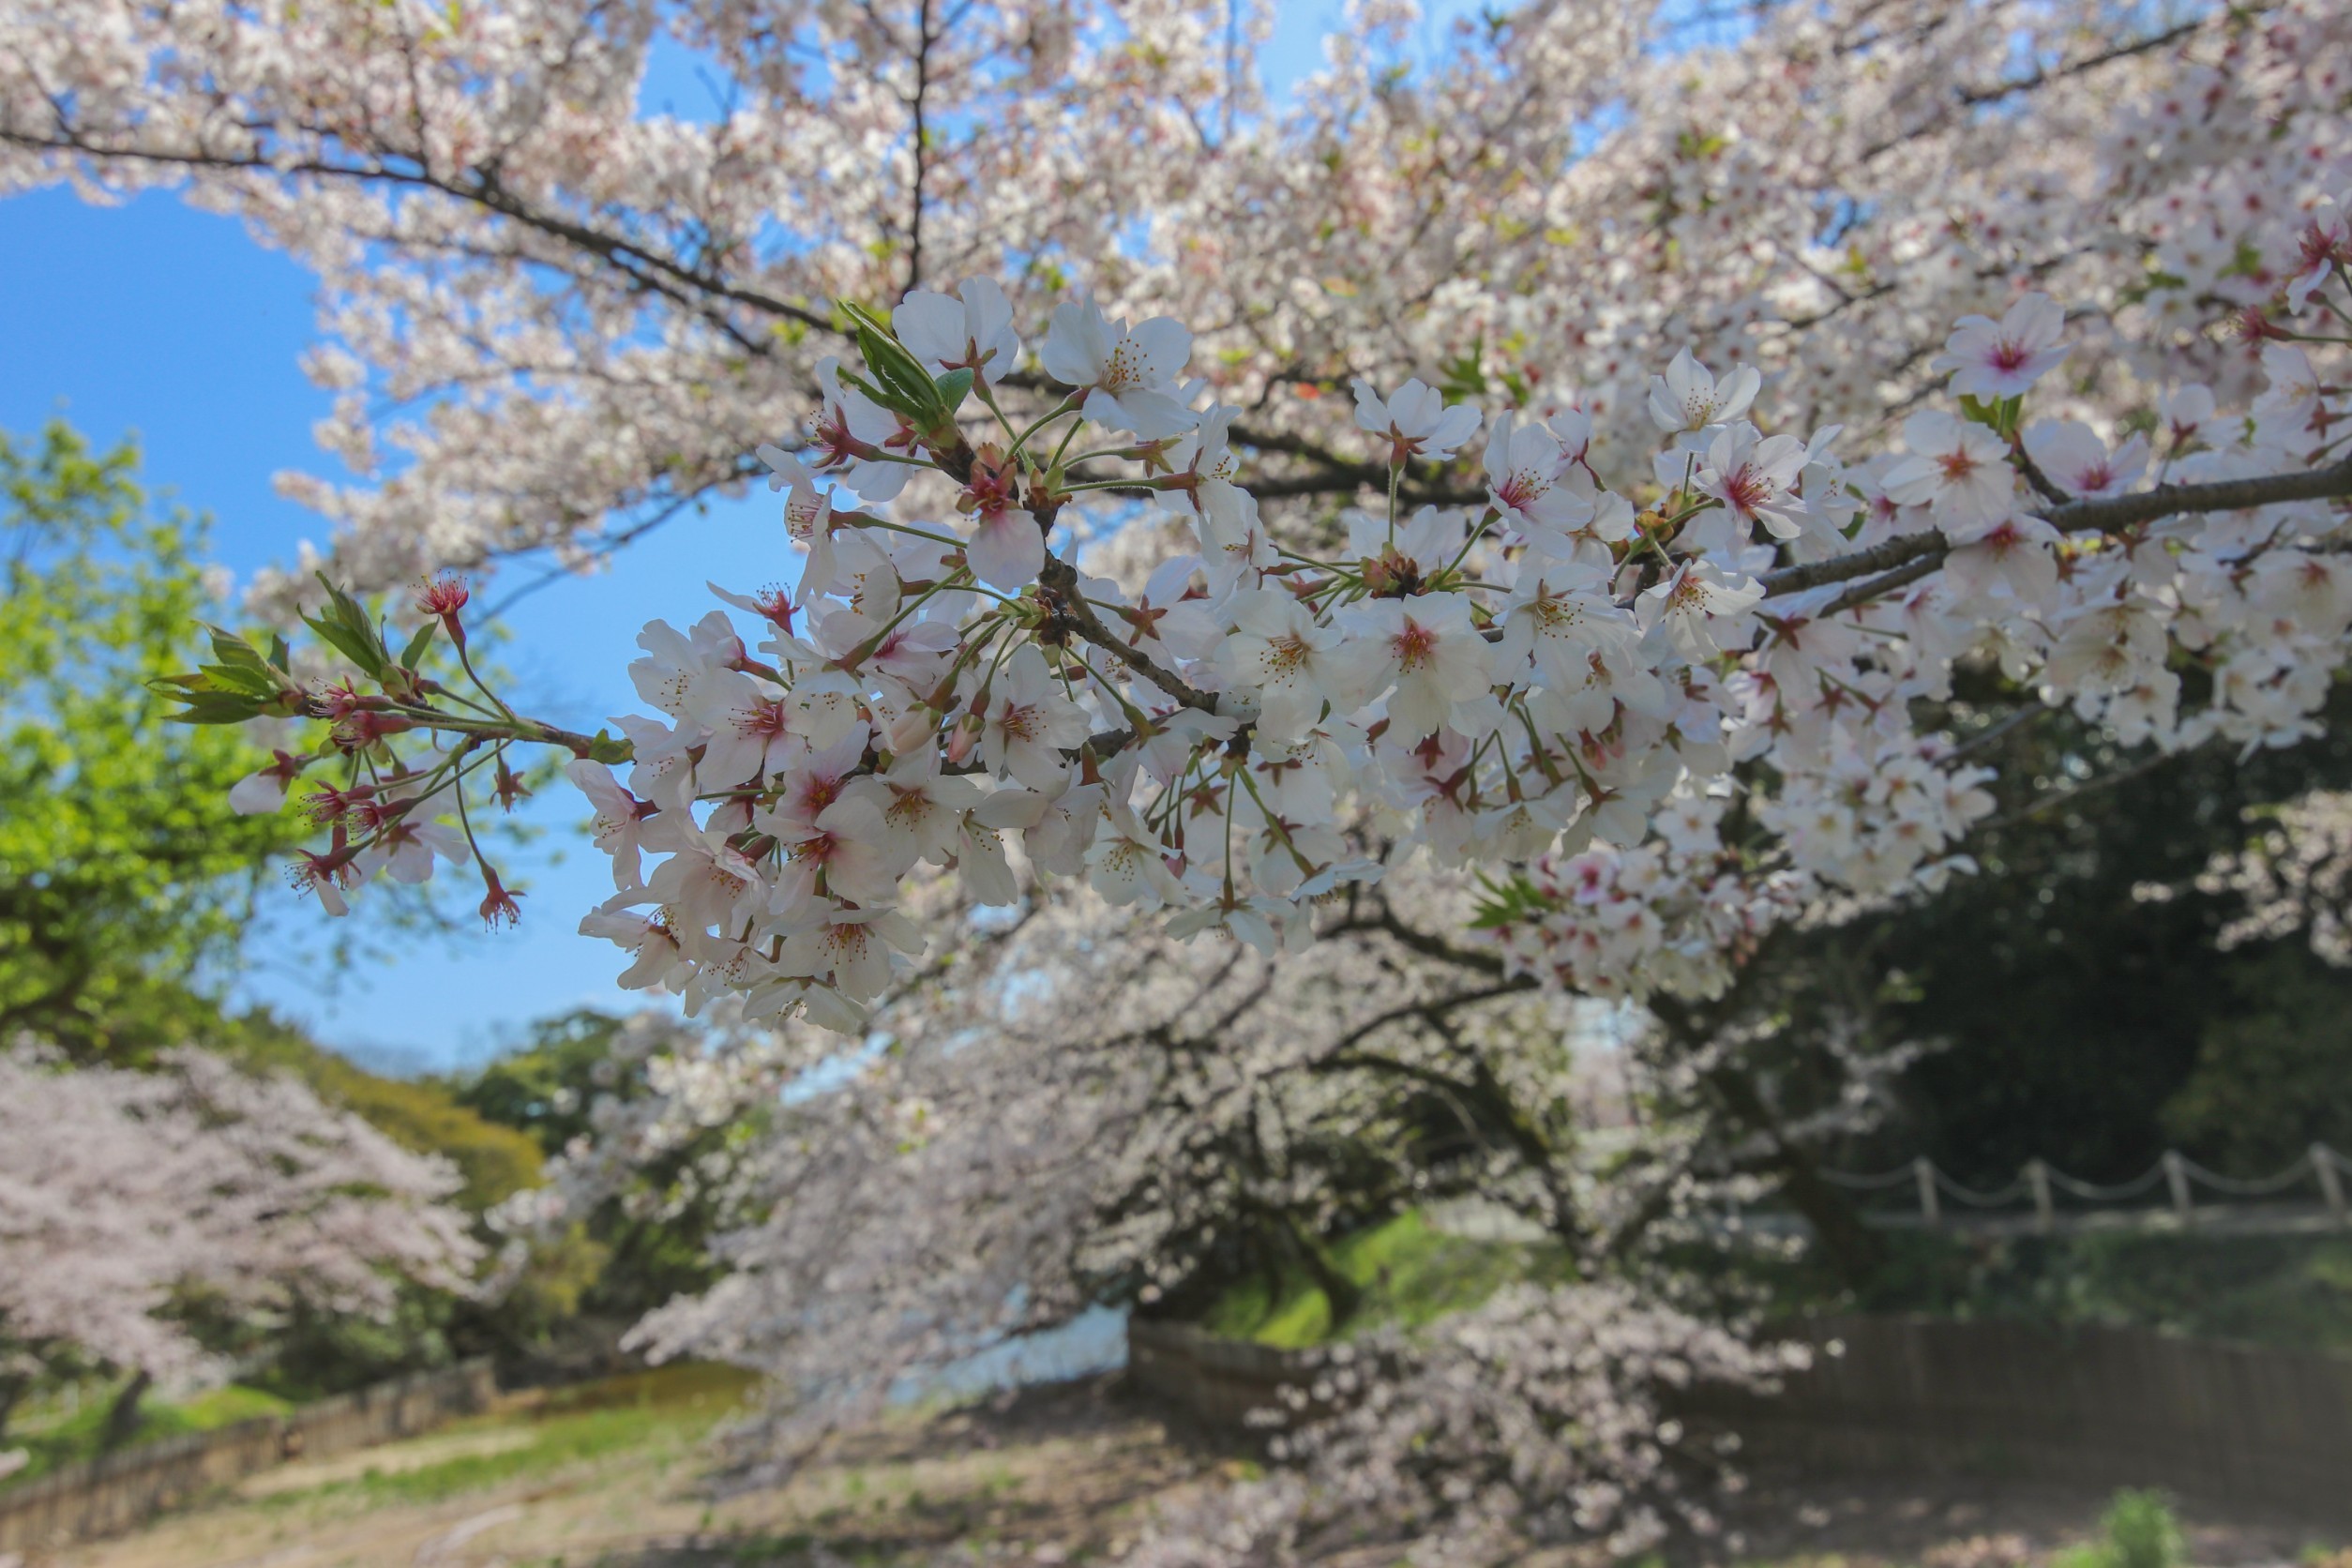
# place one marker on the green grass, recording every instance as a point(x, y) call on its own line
point(1410, 1275)
point(226, 1407)
point(62, 1439)
point(2138, 1530)
point(672, 1405)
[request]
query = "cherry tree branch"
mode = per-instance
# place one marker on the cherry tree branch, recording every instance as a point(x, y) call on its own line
point(2107, 515)
point(1060, 579)
point(919, 107)
point(637, 261)
point(1965, 98)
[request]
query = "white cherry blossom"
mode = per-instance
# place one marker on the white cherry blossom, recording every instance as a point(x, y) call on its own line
point(971, 331)
point(1957, 469)
point(1414, 420)
point(1127, 375)
point(1688, 398)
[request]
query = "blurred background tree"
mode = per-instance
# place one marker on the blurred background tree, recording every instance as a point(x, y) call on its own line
point(126, 881)
point(2074, 1000)
point(652, 1243)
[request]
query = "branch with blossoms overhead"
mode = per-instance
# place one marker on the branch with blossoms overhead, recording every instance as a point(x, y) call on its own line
point(1660, 709)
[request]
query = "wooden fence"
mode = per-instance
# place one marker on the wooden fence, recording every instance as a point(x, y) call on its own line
point(121, 1491)
point(2089, 1406)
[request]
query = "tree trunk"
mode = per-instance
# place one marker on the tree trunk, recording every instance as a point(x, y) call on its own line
point(13, 1389)
point(1855, 1251)
point(122, 1418)
point(1343, 1294)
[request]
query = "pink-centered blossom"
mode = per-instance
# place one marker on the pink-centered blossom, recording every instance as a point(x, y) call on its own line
point(1702, 609)
point(1957, 469)
point(2073, 458)
point(1030, 722)
point(2003, 359)
point(1430, 654)
point(1532, 482)
point(1292, 664)
point(1755, 477)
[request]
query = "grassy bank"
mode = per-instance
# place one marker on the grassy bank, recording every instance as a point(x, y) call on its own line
point(63, 1433)
point(1409, 1275)
point(666, 1409)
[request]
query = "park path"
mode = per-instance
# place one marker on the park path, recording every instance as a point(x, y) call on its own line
point(1064, 1474)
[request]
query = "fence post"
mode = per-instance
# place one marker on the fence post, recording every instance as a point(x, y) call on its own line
point(2323, 1164)
point(2177, 1178)
point(2044, 1213)
point(1930, 1211)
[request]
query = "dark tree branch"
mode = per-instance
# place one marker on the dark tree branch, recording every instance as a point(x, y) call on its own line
point(926, 39)
point(1060, 579)
point(1975, 97)
point(1422, 942)
point(2107, 515)
point(2116, 513)
point(1863, 592)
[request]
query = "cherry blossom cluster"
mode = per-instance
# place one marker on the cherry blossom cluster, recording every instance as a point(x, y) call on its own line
point(1635, 638)
point(1816, 200)
point(121, 1192)
point(1081, 1111)
point(1537, 1418)
point(1728, 647)
point(2293, 876)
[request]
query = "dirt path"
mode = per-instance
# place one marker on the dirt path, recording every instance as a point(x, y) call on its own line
point(1065, 1474)
point(1062, 1473)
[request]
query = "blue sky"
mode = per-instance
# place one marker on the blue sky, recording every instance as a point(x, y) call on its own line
point(156, 319)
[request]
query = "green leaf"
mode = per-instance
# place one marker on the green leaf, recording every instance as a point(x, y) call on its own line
point(952, 389)
point(356, 649)
point(417, 645)
point(2000, 415)
point(212, 707)
point(905, 384)
point(348, 629)
point(609, 748)
point(861, 316)
point(236, 678)
point(231, 649)
point(1513, 899)
point(1463, 377)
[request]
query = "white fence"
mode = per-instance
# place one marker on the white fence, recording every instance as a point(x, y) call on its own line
point(2175, 1194)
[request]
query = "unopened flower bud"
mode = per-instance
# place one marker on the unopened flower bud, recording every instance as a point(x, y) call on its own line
point(510, 788)
point(964, 739)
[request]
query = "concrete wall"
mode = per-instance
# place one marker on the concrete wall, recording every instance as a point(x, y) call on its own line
point(2094, 1406)
point(120, 1491)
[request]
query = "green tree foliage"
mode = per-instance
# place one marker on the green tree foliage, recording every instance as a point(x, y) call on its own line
point(495, 1158)
point(124, 878)
point(2069, 990)
point(2274, 1069)
point(2076, 1005)
point(2075, 985)
point(654, 1248)
point(127, 884)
